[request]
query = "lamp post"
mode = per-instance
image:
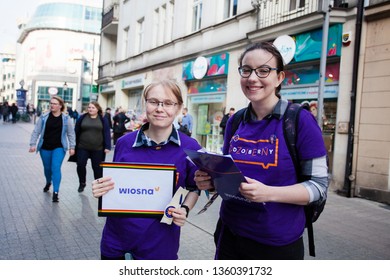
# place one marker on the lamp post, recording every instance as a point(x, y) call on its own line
point(64, 89)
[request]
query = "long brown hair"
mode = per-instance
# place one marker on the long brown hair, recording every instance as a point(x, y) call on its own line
point(97, 105)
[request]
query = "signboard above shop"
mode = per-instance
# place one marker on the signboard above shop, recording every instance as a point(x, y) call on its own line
point(197, 69)
point(133, 82)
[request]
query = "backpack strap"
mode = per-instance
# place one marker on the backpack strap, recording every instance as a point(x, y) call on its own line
point(237, 118)
point(290, 124)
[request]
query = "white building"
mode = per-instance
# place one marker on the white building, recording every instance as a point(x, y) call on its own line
point(58, 52)
point(7, 83)
point(145, 40)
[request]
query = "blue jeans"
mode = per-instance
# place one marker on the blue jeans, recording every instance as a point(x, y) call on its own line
point(52, 161)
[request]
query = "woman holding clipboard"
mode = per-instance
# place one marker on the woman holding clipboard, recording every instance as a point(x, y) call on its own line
point(158, 142)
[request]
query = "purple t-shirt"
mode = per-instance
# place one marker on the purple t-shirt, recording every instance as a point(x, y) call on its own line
point(147, 238)
point(260, 152)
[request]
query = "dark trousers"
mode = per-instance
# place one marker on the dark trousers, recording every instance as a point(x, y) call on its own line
point(96, 158)
point(116, 136)
point(234, 247)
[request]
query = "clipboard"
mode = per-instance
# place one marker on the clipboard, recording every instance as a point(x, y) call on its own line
point(141, 189)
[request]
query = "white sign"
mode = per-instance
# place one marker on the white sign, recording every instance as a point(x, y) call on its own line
point(132, 82)
point(199, 69)
point(310, 92)
point(140, 189)
point(52, 91)
point(211, 98)
point(286, 46)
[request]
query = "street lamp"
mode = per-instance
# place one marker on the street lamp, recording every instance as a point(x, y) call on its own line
point(65, 87)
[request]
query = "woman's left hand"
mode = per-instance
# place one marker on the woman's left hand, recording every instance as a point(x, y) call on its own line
point(106, 151)
point(254, 190)
point(179, 216)
point(71, 152)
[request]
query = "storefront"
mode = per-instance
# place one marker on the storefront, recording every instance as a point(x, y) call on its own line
point(107, 93)
point(302, 77)
point(206, 79)
point(132, 99)
point(46, 92)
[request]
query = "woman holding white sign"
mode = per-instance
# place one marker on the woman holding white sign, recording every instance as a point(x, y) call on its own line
point(156, 142)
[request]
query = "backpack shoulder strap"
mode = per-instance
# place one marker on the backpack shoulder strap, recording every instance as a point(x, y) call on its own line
point(290, 124)
point(237, 118)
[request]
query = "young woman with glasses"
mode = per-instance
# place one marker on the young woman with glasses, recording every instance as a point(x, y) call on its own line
point(158, 142)
point(56, 135)
point(272, 224)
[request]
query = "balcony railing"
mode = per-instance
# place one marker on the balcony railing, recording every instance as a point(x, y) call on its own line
point(272, 12)
point(111, 16)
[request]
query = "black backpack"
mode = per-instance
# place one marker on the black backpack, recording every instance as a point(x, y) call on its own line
point(290, 123)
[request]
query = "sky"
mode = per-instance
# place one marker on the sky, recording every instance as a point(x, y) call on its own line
point(10, 12)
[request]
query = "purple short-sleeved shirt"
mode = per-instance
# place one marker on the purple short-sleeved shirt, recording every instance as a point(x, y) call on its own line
point(147, 238)
point(260, 151)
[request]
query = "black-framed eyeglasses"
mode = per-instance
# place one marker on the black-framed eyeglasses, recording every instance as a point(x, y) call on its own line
point(261, 72)
point(167, 104)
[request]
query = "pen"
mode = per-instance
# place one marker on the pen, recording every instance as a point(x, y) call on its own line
point(181, 199)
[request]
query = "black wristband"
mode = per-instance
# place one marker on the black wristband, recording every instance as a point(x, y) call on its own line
point(187, 209)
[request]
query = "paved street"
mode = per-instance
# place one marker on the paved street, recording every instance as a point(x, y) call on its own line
point(34, 228)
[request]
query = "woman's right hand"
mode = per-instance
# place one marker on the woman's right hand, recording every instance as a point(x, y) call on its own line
point(32, 149)
point(203, 180)
point(101, 186)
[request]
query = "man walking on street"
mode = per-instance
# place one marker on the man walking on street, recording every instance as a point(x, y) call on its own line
point(187, 121)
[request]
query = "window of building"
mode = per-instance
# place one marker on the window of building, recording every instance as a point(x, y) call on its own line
point(230, 8)
point(296, 4)
point(159, 26)
point(125, 42)
point(196, 15)
point(139, 40)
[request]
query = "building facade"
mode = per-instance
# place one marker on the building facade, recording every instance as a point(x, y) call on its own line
point(58, 52)
point(198, 42)
point(7, 72)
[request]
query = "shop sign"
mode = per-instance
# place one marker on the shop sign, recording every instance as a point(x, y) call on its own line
point(330, 91)
point(52, 91)
point(216, 65)
point(215, 98)
point(199, 68)
point(286, 46)
point(104, 88)
point(309, 44)
point(132, 82)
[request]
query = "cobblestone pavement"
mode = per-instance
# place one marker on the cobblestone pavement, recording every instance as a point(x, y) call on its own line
point(34, 228)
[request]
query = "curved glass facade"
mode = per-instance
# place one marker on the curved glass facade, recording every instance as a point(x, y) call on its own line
point(67, 16)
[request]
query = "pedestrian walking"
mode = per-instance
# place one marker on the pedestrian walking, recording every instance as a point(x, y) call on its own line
point(93, 141)
point(225, 119)
point(119, 128)
point(5, 112)
point(156, 142)
point(14, 111)
point(186, 122)
point(107, 115)
point(55, 134)
point(272, 224)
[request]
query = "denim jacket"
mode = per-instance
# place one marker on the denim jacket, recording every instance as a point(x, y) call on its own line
point(67, 134)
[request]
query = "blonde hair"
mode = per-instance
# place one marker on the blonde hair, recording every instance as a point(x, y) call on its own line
point(167, 84)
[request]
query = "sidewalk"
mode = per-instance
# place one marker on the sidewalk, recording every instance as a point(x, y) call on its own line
point(34, 228)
